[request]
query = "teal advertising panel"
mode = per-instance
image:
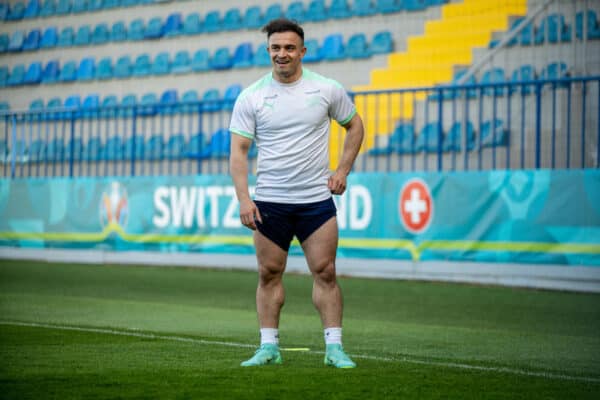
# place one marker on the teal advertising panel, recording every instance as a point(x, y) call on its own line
point(541, 216)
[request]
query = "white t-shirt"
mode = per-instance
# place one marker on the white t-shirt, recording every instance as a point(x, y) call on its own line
point(290, 123)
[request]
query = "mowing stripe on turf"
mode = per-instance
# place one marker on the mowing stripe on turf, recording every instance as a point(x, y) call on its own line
point(537, 374)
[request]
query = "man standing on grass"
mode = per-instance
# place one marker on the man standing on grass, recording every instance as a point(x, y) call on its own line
point(287, 112)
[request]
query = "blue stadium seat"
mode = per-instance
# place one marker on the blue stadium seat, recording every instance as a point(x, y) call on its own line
point(175, 147)
point(83, 37)
point(49, 38)
point(32, 9)
point(415, 5)
point(243, 56)
point(142, 65)
point(68, 72)
point(123, 67)
point(312, 51)
point(53, 105)
point(357, 46)
point(295, 11)
point(253, 18)
point(161, 64)
point(93, 149)
point(128, 105)
point(4, 10)
point(90, 107)
point(36, 107)
point(494, 75)
point(55, 151)
point(154, 29)
point(523, 73)
point(382, 43)
point(195, 146)
point(449, 94)
point(454, 139)
point(261, 56)
point(87, 69)
point(339, 9)
point(192, 24)
point(219, 144)
point(493, 133)
point(168, 102)
point(430, 138)
point(73, 104)
point(135, 147)
point(333, 47)
point(63, 7)
point(591, 22)
point(48, 8)
point(36, 152)
point(173, 25)
point(32, 40)
point(114, 149)
point(553, 29)
point(104, 70)
point(4, 41)
point(74, 149)
point(154, 148)
point(201, 61)
point(182, 63)
point(212, 21)
point(189, 101)
point(221, 59)
point(272, 12)
point(401, 141)
point(363, 8)
point(101, 34)
point(110, 4)
point(136, 29)
point(16, 40)
point(232, 20)
point(4, 74)
point(118, 32)
point(211, 100)
point(148, 104)
point(109, 107)
point(130, 3)
point(316, 11)
point(33, 75)
point(66, 36)
point(555, 70)
point(79, 6)
point(16, 11)
point(17, 75)
point(95, 5)
point(388, 6)
point(231, 94)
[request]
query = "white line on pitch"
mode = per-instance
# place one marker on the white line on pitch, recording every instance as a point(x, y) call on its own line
point(537, 374)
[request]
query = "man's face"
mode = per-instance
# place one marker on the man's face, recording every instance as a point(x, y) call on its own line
point(286, 50)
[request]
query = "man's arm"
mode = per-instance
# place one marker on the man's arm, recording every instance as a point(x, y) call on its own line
point(238, 166)
point(354, 138)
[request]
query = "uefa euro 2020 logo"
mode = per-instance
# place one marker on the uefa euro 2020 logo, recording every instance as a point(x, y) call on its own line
point(114, 208)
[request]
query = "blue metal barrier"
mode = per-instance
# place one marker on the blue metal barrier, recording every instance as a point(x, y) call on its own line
point(531, 124)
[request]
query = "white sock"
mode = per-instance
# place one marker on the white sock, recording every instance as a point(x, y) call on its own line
point(269, 335)
point(333, 336)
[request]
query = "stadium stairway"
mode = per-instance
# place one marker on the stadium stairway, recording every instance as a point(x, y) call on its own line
point(430, 59)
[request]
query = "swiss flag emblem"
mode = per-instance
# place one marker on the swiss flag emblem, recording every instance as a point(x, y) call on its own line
point(415, 206)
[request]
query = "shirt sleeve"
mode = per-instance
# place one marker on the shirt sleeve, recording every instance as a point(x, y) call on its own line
point(341, 108)
point(243, 121)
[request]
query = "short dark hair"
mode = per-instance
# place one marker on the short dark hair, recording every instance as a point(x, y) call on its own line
point(283, 25)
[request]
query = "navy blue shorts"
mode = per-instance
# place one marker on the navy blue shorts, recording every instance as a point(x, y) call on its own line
point(281, 221)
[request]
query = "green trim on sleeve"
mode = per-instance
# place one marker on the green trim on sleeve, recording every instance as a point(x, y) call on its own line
point(345, 121)
point(242, 133)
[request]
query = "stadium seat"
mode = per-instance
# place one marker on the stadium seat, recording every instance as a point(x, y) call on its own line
point(142, 65)
point(32, 40)
point(454, 139)
point(161, 64)
point(36, 109)
point(493, 133)
point(33, 75)
point(51, 72)
point(553, 29)
point(118, 32)
point(190, 101)
point(182, 63)
point(123, 67)
point(63, 7)
point(55, 151)
point(192, 25)
point(93, 149)
point(109, 107)
point(134, 148)
point(363, 8)
point(74, 149)
point(211, 100)
point(231, 94)
point(218, 145)
point(261, 56)
point(295, 11)
point(168, 102)
point(591, 22)
point(83, 37)
point(135, 32)
point(212, 21)
point(4, 41)
point(312, 51)
point(272, 12)
point(90, 107)
point(451, 93)
point(494, 75)
point(382, 43)
point(430, 138)
point(173, 25)
point(130, 3)
point(36, 152)
point(73, 105)
point(339, 9)
point(16, 11)
point(148, 104)
point(78, 6)
point(110, 4)
point(316, 11)
point(555, 70)
point(4, 74)
point(68, 72)
point(154, 29)
point(101, 34)
point(16, 40)
point(4, 10)
point(95, 5)
point(154, 148)
point(16, 76)
point(232, 20)
point(221, 59)
point(388, 6)
point(195, 146)
point(415, 5)
point(66, 36)
point(333, 47)
point(128, 105)
point(175, 147)
point(87, 69)
point(243, 56)
point(54, 104)
point(401, 141)
point(201, 61)
point(523, 73)
point(253, 18)
point(113, 150)
point(104, 70)
point(48, 8)
point(49, 38)
point(357, 46)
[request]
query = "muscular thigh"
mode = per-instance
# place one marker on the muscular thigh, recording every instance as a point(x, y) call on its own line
point(271, 257)
point(321, 246)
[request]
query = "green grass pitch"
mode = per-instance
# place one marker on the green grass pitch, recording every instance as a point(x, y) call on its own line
point(134, 332)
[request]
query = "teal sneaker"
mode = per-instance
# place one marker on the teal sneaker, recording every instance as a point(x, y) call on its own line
point(266, 354)
point(335, 357)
